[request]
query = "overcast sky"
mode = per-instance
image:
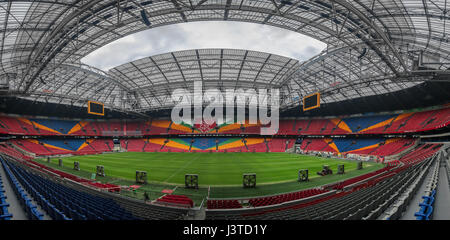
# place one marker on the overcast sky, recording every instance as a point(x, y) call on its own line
point(197, 35)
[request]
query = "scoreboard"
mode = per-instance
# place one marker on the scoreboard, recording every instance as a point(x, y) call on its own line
point(311, 101)
point(96, 108)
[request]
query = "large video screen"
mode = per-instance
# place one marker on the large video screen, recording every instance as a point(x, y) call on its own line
point(312, 101)
point(96, 108)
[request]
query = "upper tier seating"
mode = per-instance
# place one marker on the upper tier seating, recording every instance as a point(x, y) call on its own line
point(11, 125)
point(374, 124)
point(287, 127)
point(314, 144)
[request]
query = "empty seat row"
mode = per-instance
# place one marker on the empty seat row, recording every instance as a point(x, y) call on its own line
point(426, 206)
point(49, 147)
point(287, 197)
point(64, 203)
point(25, 201)
point(366, 201)
point(348, 182)
point(223, 204)
point(393, 123)
point(176, 200)
point(4, 214)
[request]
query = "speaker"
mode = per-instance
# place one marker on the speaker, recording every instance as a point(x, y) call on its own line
point(249, 180)
point(191, 181)
point(303, 175)
point(341, 169)
point(359, 166)
point(76, 166)
point(141, 177)
point(101, 171)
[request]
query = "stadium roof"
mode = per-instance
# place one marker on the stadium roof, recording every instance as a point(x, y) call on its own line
point(374, 47)
point(156, 77)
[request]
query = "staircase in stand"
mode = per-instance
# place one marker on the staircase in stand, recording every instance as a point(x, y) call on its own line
point(22, 126)
point(337, 125)
point(245, 143)
point(109, 147)
point(165, 142)
point(405, 122)
point(190, 145)
point(145, 144)
point(293, 127)
point(328, 144)
point(92, 147)
point(390, 123)
point(169, 127)
point(148, 128)
point(429, 120)
point(324, 127)
point(309, 124)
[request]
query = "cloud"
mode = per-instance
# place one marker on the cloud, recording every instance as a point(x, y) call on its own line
point(198, 35)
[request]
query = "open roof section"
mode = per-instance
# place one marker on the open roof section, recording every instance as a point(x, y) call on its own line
point(156, 77)
point(204, 35)
point(379, 41)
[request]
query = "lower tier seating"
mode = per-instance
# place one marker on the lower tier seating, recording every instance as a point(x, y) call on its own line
point(223, 204)
point(175, 200)
point(367, 201)
point(66, 200)
point(4, 214)
point(63, 203)
point(416, 156)
point(25, 201)
point(287, 197)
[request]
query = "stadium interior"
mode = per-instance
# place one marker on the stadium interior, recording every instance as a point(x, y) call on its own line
point(377, 147)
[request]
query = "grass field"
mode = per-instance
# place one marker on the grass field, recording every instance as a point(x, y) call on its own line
point(276, 172)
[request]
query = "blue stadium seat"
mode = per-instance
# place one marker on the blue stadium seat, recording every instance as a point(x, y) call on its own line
point(25, 201)
point(64, 203)
point(4, 214)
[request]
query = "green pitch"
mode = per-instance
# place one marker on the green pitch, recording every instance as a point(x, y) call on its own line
point(214, 169)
